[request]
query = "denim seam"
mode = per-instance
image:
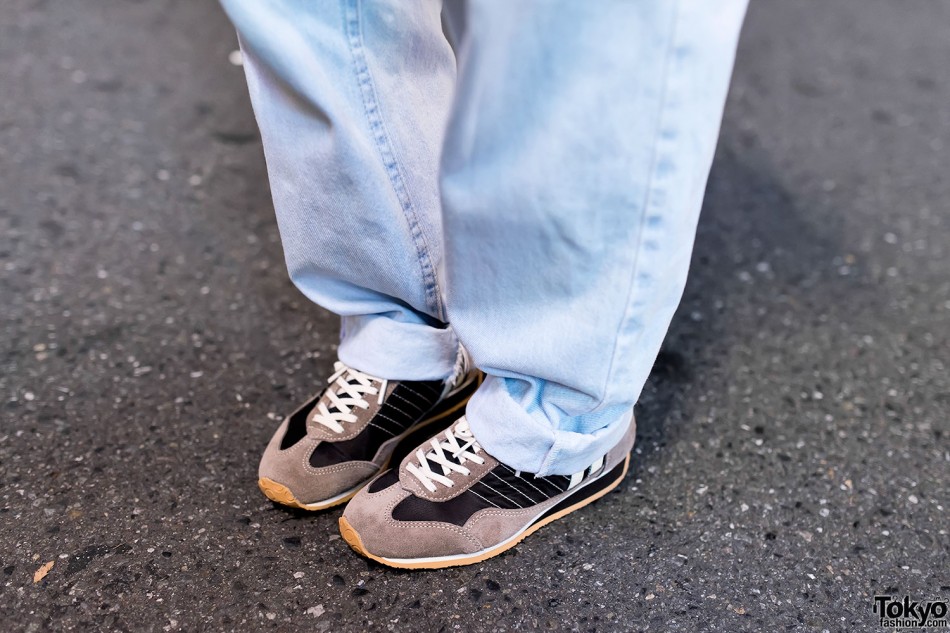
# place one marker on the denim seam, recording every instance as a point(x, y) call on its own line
point(648, 197)
point(557, 447)
point(381, 138)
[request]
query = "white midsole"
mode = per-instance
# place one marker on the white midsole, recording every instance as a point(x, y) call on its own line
point(319, 505)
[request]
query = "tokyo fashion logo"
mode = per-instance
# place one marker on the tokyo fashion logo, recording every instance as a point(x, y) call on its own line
point(901, 612)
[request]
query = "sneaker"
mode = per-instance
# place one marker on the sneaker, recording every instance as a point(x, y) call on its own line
point(326, 450)
point(451, 503)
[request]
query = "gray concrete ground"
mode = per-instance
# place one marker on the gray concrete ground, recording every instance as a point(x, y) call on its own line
point(793, 458)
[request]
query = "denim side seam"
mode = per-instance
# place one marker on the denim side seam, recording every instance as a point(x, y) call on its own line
point(557, 447)
point(384, 146)
point(651, 190)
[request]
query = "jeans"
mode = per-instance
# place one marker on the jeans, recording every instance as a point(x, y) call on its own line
point(530, 190)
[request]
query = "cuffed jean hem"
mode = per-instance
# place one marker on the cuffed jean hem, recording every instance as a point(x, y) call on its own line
point(530, 441)
point(397, 350)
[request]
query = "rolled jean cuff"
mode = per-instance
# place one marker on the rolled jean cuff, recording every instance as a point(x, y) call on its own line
point(530, 441)
point(397, 350)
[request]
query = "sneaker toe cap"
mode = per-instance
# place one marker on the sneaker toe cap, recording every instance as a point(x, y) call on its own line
point(290, 468)
point(379, 534)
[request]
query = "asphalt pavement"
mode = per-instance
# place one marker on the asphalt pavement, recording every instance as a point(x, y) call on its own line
point(793, 459)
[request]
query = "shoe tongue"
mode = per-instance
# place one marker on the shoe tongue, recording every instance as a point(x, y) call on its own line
point(331, 408)
point(462, 433)
point(449, 455)
point(336, 389)
point(350, 429)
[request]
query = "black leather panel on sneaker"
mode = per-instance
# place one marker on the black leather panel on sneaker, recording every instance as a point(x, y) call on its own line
point(499, 488)
point(448, 409)
point(384, 481)
point(536, 489)
point(297, 425)
point(456, 510)
point(407, 405)
point(591, 489)
point(363, 448)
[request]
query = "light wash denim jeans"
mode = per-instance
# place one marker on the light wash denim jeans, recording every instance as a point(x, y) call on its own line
point(531, 190)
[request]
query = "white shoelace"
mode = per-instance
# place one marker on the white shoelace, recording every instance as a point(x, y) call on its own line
point(347, 390)
point(460, 444)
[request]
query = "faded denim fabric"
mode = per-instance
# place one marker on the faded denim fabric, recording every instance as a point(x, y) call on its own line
point(537, 187)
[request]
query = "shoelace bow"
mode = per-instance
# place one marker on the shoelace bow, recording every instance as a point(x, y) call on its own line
point(461, 446)
point(347, 390)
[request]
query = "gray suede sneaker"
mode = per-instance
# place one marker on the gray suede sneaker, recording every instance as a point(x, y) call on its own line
point(451, 503)
point(326, 450)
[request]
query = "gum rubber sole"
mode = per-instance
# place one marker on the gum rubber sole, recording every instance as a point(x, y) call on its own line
point(352, 538)
point(279, 493)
